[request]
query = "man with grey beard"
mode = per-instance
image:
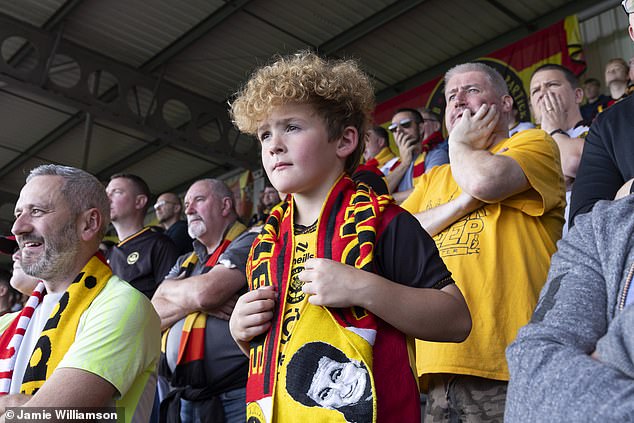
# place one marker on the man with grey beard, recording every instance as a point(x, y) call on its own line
point(195, 302)
point(80, 315)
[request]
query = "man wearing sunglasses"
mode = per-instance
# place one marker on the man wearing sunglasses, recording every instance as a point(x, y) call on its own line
point(607, 162)
point(574, 361)
point(421, 146)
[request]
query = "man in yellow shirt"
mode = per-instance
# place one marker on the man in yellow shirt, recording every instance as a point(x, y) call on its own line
point(495, 212)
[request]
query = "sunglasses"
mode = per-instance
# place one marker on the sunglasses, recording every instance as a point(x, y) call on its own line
point(628, 6)
point(404, 123)
point(161, 203)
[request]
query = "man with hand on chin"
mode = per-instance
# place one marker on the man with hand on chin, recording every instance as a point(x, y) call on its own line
point(498, 202)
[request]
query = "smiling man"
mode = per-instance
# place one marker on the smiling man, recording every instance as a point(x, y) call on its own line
point(195, 302)
point(495, 213)
point(85, 338)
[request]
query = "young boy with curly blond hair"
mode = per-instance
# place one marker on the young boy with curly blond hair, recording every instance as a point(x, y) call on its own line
point(326, 268)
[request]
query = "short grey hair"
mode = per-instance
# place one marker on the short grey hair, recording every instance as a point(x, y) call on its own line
point(81, 190)
point(220, 190)
point(497, 81)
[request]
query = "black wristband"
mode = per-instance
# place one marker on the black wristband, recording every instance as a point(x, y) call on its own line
point(558, 131)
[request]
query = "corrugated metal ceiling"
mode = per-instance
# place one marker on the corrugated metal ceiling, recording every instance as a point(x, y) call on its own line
point(208, 47)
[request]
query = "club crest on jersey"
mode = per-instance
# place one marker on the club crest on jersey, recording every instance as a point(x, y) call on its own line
point(133, 257)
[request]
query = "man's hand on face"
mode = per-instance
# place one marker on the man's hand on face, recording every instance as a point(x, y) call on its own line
point(476, 131)
point(553, 114)
point(407, 145)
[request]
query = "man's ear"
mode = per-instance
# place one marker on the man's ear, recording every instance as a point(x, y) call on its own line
point(348, 142)
point(631, 31)
point(140, 201)
point(507, 104)
point(89, 223)
point(227, 206)
point(578, 95)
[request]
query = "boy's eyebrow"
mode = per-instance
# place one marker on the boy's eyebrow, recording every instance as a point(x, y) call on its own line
point(278, 122)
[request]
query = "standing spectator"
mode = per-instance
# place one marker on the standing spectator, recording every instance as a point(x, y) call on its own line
point(496, 214)
point(377, 149)
point(143, 255)
point(594, 99)
point(607, 162)
point(208, 377)
point(421, 146)
point(269, 197)
point(616, 79)
point(555, 97)
point(168, 209)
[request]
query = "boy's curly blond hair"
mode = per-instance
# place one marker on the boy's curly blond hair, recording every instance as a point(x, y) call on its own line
point(341, 93)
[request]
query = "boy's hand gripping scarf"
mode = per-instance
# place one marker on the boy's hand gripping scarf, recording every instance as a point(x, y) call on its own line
point(59, 331)
point(349, 225)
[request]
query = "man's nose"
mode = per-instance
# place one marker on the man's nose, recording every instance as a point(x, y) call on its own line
point(21, 225)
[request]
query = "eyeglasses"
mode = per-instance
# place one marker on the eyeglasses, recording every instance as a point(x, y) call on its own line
point(161, 203)
point(628, 6)
point(404, 123)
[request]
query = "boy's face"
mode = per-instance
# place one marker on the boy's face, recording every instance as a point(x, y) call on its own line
point(296, 154)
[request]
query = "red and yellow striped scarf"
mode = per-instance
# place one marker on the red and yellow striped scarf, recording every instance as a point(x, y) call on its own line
point(350, 222)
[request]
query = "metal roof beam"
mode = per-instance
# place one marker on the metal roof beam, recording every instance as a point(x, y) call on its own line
point(368, 25)
point(492, 45)
point(508, 12)
point(52, 22)
point(198, 31)
point(113, 106)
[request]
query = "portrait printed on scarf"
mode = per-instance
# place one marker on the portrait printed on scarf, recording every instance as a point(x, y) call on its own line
point(320, 375)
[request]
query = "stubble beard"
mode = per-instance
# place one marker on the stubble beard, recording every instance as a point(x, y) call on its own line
point(60, 251)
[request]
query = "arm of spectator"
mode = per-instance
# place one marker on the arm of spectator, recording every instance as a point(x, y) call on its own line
point(616, 347)
point(224, 311)
point(486, 176)
point(407, 146)
point(66, 387)
point(168, 311)
point(570, 150)
point(401, 196)
point(553, 377)
point(425, 313)
point(598, 177)
point(553, 117)
point(206, 292)
point(436, 219)
point(625, 190)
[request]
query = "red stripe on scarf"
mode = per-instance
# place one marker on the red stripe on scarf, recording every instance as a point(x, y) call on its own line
point(196, 349)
